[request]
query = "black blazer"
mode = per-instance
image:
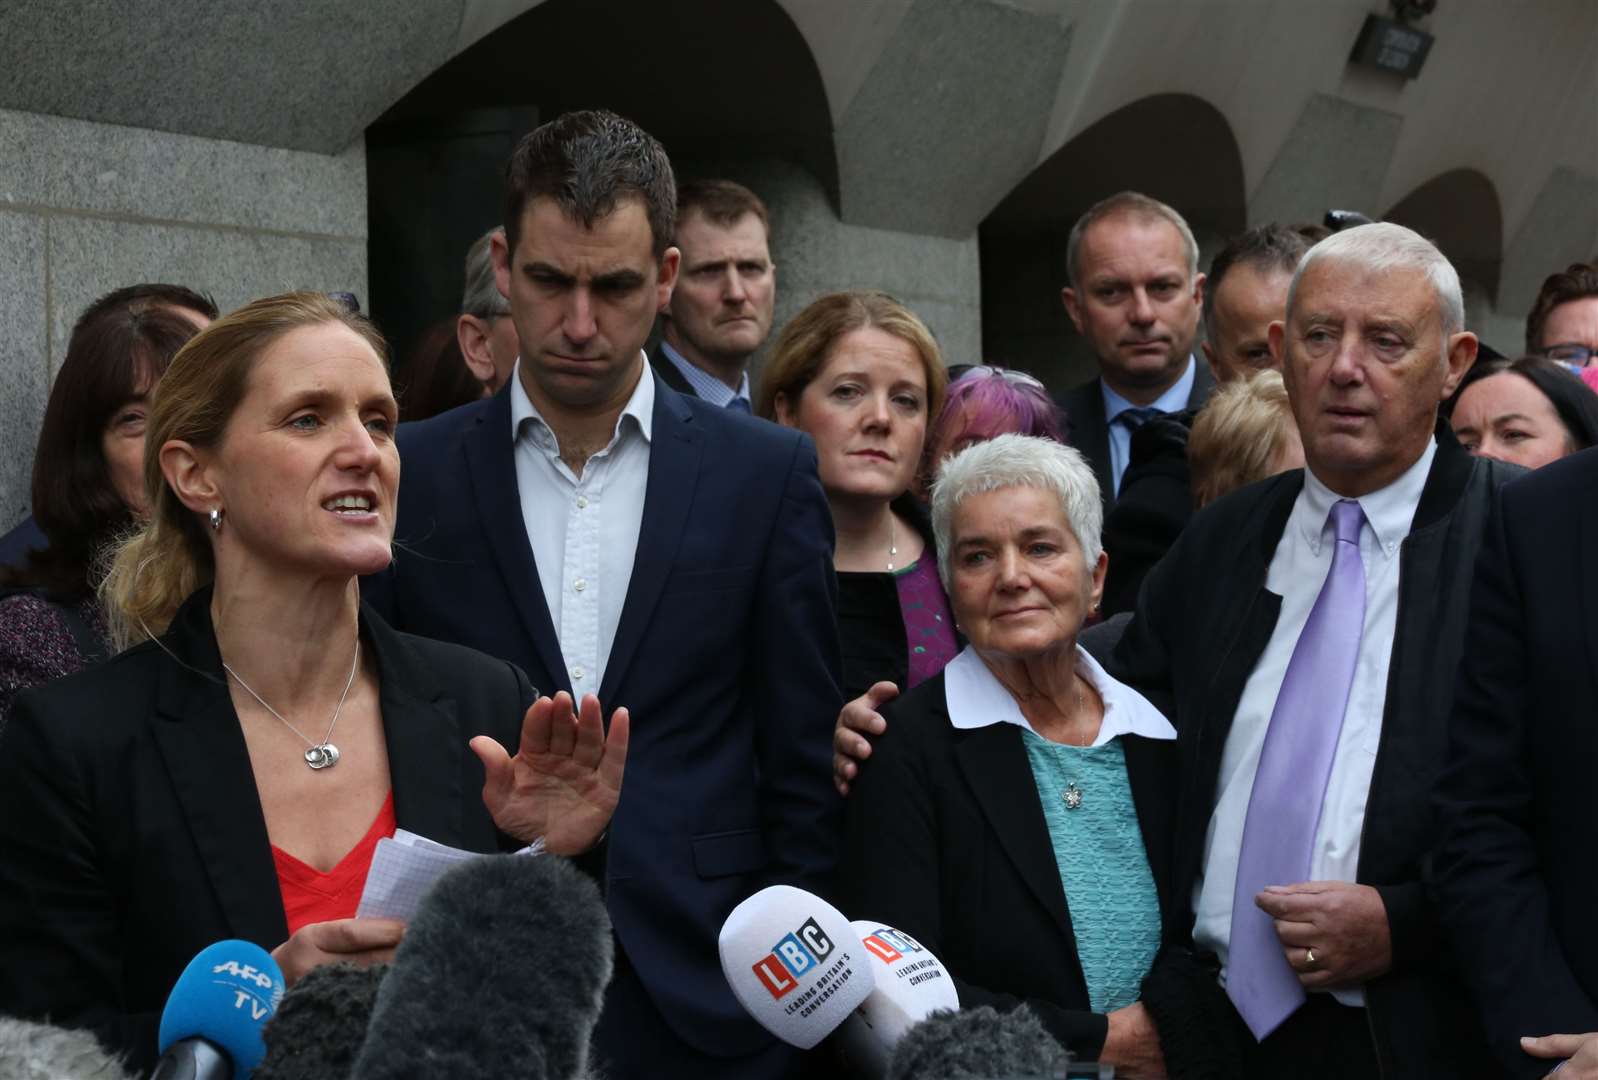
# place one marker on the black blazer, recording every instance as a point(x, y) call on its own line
point(1203, 619)
point(947, 842)
point(1089, 433)
point(668, 371)
point(131, 835)
point(1517, 867)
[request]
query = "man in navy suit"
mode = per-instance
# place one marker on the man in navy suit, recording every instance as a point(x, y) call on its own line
point(613, 537)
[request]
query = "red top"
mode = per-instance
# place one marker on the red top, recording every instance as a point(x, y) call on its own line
point(311, 896)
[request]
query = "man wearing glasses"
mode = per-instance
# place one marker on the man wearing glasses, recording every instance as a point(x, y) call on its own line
point(1563, 324)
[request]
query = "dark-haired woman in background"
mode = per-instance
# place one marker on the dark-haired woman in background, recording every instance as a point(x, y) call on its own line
point(1529, 411)
point(87, 489)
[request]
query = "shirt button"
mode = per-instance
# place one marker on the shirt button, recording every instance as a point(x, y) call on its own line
point(580, 584)
point(577, 672)
point(582, 502)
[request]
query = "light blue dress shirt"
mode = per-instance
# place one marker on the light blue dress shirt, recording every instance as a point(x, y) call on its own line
point(706, 385)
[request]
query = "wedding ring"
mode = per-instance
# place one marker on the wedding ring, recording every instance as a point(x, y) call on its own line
point(1309, 958)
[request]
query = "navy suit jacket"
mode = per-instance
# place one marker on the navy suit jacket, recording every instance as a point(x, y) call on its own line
point(726, 656)
point(1516, 873)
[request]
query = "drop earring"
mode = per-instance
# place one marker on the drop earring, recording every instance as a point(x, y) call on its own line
point(216, 519)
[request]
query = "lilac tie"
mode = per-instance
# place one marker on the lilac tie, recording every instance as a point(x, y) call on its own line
point(1284, 807)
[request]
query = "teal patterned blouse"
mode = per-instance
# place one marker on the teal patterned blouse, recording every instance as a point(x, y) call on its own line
point(1115, 913)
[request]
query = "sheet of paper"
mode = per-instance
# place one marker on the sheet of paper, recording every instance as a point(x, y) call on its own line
point(404, 867)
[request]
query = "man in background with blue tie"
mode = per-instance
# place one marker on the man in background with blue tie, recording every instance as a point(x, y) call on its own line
point(1303, 635)
point(720, 311)
point(1135, 293)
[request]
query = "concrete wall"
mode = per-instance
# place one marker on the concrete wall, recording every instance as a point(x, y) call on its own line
point(87, 207)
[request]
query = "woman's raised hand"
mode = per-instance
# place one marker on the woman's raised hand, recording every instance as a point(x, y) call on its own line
point(565, 780)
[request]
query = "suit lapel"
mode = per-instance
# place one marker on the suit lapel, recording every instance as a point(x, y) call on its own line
point(423, 734)
point(675, 449)
point(1091, 435)
point(995, 765)
point(490, 455)
point(200, 739)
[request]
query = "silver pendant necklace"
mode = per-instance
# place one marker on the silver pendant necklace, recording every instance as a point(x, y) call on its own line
point(893, 542)
point(1073, 794)
point(322, 755)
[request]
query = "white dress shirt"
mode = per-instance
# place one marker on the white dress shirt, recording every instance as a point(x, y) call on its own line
point(1298, 569)
point(976, 698)
point(585, 554)
point(1173, 400)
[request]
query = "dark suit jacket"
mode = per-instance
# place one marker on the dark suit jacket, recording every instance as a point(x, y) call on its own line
point(1089, 433)
point(726, 655)
point(1203, 619)
point(668, 372)
point(947, 842)
point(15, 545)
point(1517, 868)
point(131, 835)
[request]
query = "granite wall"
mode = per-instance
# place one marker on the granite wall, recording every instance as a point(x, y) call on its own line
point(87, 207)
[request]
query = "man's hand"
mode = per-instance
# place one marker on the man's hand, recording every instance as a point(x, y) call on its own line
point(339, 941)
point(1132, 1044)
point(1578, 1054)
point(565, 780)
point(1343, 925)
point(858, 719)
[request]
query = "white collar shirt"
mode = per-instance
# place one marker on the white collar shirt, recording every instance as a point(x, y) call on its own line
point(584, 530)
point(1298, 569)
point(1173, 400)
point(976, 698)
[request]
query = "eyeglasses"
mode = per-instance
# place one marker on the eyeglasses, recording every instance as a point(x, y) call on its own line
point(1571, 352)
point(1019, 378)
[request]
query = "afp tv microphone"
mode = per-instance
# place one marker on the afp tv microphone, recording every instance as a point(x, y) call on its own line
point(803, 971)
point(211, 1027)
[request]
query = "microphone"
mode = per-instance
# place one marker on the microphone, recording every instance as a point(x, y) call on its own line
point(910, 984)
point(319, 1027)
point(211, 1027)
point(34, 1051)
point(981, 1042)
point(501, 973)
point(794, 963)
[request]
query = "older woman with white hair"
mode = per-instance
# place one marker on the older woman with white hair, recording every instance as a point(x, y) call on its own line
point(1014, 822)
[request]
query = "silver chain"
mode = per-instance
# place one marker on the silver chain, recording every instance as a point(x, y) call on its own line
point(355, 663)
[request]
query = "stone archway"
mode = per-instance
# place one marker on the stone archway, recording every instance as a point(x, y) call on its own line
point(1459, 212)
point(686, 72)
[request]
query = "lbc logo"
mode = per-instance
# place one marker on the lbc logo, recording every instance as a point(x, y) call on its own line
point(791, 958)
point(888, 944)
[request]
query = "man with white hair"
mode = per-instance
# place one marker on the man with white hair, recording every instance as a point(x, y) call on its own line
point(1303, 635)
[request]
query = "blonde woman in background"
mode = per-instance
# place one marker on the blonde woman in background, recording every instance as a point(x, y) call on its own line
point(1244, 433)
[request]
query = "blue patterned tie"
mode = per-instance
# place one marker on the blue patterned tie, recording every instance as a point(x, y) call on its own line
point(1284, 808)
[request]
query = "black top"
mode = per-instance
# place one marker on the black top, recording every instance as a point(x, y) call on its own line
point(871, 631)
point(1154, 506)
point(131, 833)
